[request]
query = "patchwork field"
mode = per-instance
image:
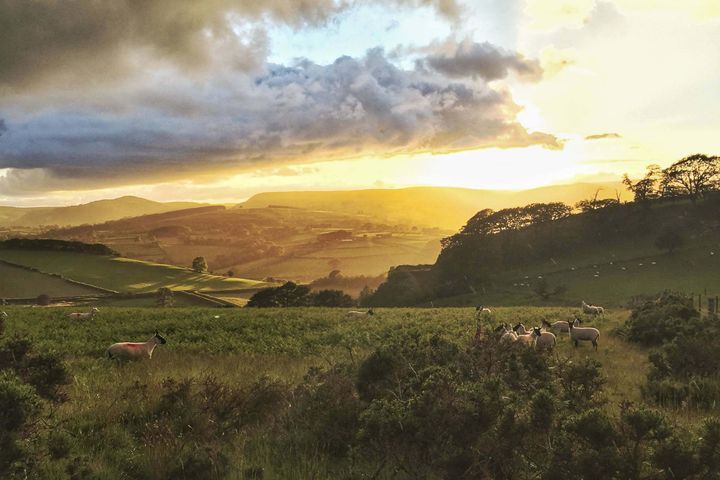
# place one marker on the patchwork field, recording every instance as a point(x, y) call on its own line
point(120, 274)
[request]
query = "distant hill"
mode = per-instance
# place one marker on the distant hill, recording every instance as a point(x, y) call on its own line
point(443, 207)
point(88, 213)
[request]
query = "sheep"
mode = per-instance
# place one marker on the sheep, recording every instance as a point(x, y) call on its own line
point(543, 339)
point(355, 313)
point(480, 311)
point(585, 334)
point(592, 309)
point(506, 334)
point(123, 351)
point(520, 329)
point(84, 316)
point(561, 326)
point(523, 336)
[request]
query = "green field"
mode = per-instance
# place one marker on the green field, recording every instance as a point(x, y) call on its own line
point(240, 346)
point(16, 282)
point(120, 274)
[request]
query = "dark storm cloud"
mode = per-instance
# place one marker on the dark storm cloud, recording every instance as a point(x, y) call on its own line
point(91, 41)
point(603, 136)
point(484, 60)
point(288, 114)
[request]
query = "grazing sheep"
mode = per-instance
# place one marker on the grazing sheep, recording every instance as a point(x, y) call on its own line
point(134, 350)
point(584, 334)
point(561, 326)
point(523, 336)
point(506, 335)
point(545, 340)
point(520, 329)
point(355, 313)
point(592, 309)
point(84, 316)
point(480, 311)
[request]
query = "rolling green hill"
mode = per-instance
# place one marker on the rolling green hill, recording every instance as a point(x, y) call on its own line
point(120, 274)
point(89, 213)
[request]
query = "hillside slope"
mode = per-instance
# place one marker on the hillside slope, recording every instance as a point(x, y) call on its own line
point(442, 207)
point(606, 256)
point(88, 213)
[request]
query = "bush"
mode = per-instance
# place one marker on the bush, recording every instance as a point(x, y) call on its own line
point(45, 372)
point(660, 321)
point(43, 299)
point(18, 406)
point(288, 295)
point(331, 298)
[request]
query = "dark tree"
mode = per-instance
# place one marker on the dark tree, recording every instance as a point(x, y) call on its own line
point(669, 239)
point(164, 297)
point(288, 295)
point(43, 299)
point(692, 176)
point(199, 265)
point(647, 187)
point(331, 298)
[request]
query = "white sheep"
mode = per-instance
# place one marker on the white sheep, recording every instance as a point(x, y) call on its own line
point(84, 316)
point(134, 350)
point(544, 340)
point(355, 313)
point(584, 334)
point(523, 336)
point(561, 326)
point(506, 335)
point(480, 311)
point(592, 309)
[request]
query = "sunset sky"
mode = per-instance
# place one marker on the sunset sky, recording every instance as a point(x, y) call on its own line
point(221, 99)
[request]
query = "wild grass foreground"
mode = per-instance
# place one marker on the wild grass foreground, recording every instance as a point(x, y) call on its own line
point(311, 393)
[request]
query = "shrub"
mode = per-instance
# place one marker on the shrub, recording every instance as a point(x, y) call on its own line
point(331, 298)
point(43, 299)
point(288, 295)
point(18, 406)
point(660, 321)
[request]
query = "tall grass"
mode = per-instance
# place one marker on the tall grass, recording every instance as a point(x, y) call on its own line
point(238, 347)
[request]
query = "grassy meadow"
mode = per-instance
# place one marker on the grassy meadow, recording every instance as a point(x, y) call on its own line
point(241, 346)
